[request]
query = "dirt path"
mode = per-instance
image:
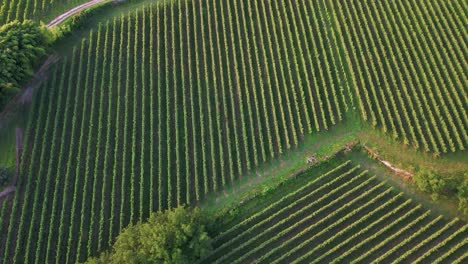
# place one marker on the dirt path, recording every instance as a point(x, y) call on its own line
point(71, 12)
point(405, 174)
point(25, 96)
point(40, 75)
point(6, 192)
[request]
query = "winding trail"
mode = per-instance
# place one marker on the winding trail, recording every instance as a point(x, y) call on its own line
point(8, 190)
point(71, 12)
point(25, 96)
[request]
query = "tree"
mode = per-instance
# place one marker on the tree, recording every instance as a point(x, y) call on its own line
point(174, 236)
point(21, 44)
point(434, 184)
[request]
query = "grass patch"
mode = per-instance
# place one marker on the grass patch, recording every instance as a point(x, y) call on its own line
point(326, 144)
point(273, 173)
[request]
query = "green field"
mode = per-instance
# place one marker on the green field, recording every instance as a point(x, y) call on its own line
point(410, 68)
point(142, 130)
point(175, 102)
point(337, 213)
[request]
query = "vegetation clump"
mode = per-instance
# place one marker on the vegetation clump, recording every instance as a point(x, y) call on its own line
point(438, 185)
point(21, 44)
point(174, 236)
point(433, 183)
point(4, 176)
point(463, 195)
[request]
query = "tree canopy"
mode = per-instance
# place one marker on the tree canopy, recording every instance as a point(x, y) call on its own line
point(438, 185)
point(21, 44)
point(174, 236)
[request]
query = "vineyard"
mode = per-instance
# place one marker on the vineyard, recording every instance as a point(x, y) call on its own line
point(148, 113)
point(170, 103)
point(33, 9)
point(410, 70)
point(343, 215)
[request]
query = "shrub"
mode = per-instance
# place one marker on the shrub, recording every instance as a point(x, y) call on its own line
point(174, 236)
point(21, 44)
point(463, 195)
point(433, 183)
point(4, 176)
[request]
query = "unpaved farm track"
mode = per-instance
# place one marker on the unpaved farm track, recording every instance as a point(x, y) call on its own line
point(71, 12)
point(405, 174)
point(7, 191)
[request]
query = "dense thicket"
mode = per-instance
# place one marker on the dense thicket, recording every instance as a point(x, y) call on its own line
point(21, 44)
point(173, 236)
point(438, 185)
point(342, 215)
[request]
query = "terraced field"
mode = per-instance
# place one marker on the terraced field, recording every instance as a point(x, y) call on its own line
point(343, 215)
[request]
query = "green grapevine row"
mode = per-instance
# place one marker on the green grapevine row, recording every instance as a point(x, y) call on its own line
point(340, 215)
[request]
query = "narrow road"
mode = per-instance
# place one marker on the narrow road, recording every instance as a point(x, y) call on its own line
point(71, 12)
point(7, 191)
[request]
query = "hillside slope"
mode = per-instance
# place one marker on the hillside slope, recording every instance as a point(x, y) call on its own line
point(170, 103)
point(338, 213)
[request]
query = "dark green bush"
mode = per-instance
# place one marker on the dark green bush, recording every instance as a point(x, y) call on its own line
point(448, 186)
point(435, 184)
point(5, 175)
point(174, 236)
point(21, 44)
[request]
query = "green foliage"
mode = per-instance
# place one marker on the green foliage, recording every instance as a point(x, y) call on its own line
point(173, 102)
point(77, 21)
point(434, 183)
point(450, 186)
point(21, 44)
point(4, 176)
point(463, 195)
point(173, 236)
point(389, 87)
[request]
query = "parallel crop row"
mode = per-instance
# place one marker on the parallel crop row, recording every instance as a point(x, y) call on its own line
point(408, 58)
point(344, 215)
point(166, 105)
point(161, 107)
